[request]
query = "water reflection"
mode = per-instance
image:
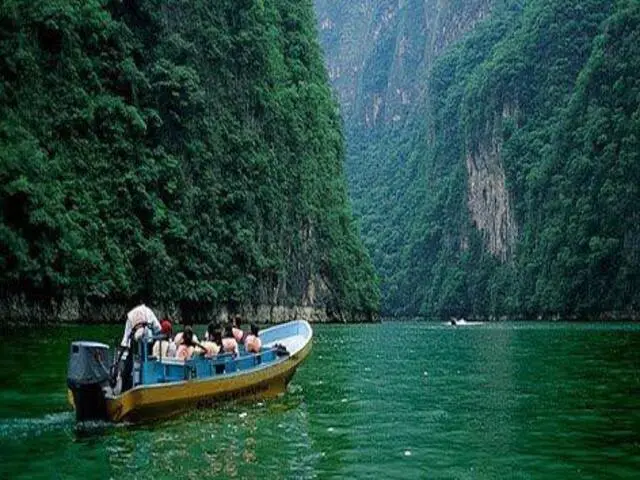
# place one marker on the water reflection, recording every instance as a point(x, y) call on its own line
point(240, 440)
point(331, 391)
point(406, 400)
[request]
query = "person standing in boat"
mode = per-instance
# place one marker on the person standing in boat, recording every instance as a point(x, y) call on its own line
point(140, 319)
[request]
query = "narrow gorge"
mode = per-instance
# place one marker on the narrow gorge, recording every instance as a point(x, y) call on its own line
point(492, 152)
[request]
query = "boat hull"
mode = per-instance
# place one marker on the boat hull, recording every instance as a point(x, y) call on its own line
point(149, 402)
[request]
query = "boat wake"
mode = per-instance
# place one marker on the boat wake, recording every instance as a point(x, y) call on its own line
point(52, 422)
point(21, 427)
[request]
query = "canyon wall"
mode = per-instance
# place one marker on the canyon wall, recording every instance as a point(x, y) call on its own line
point(488, 146)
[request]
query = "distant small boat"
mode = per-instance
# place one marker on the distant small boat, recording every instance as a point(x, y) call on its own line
point(461, 322)
point(163, 387)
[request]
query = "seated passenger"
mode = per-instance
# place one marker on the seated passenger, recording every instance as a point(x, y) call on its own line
point(229, 343)
point(164, 348)
point(180, 335)
point(253, 343)
point(212, 341)
point(208, 348)
point(190, 346)
point(238, 334)
point(210, 334)
point(187, 345)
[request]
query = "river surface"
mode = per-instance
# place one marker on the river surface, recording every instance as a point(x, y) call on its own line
point(385, 401)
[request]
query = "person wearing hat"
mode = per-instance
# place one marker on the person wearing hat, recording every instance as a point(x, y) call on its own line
point(166, 347)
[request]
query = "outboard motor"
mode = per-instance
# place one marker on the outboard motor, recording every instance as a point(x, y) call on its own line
point(87, 376)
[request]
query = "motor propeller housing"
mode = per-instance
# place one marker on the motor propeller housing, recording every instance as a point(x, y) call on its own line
point(87, 378)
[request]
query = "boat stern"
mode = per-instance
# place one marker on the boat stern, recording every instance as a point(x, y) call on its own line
point(87, 379)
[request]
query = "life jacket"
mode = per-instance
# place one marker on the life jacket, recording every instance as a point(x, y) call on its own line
point(184, 352)
point(211, 347)
point(238, 334)
point(253, 343)
point(229, 345)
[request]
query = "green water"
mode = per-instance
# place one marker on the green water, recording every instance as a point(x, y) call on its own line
point(395, 400)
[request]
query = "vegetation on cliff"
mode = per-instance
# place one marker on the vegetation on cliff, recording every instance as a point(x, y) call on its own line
point(183, 152)
point(541, 102)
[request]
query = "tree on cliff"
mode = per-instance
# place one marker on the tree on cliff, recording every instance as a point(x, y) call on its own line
point(540, 98)
point(180, 151)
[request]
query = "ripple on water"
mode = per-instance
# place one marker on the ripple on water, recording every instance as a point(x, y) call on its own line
point(492, 401)
point(11, 428)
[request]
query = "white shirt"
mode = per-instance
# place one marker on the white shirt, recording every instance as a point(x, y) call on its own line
point(140, 314)
point(164, 349)
point(172, 349)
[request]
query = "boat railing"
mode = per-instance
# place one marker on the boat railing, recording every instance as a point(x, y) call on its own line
point(166, 369)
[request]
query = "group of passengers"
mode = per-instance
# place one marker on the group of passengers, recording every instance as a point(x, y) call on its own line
point(141, 322)
point(218, 339)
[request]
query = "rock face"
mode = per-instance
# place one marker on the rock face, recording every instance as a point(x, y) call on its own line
point(488, 198)
point(379, 55)
point(377, 51)
point(281, 314)
point(19, 310)
point(493, 151)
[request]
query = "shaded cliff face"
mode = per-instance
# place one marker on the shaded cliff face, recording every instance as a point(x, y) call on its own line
point(188, 154)
point(379, 56)
point(475, 153)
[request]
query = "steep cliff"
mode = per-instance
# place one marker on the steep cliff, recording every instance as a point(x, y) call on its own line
point(188, 154)
point(378, 50)
point(492, 189)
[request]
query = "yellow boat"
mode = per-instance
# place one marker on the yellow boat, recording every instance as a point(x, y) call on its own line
point(162, 387)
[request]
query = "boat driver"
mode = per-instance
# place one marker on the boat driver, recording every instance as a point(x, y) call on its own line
point(139, 320)
point(140, 315)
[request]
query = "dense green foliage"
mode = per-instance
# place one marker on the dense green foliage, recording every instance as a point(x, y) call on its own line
point(185, 152)
point(555, 85)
